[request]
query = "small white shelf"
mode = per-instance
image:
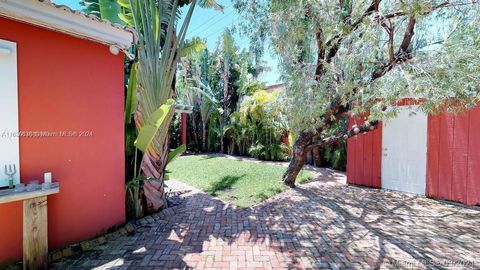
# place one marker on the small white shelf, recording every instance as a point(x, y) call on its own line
point(10, 195)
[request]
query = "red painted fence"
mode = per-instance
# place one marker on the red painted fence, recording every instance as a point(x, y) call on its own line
point(453, 157)
point(364, 156)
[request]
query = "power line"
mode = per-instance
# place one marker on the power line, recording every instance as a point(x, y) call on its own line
point(200, 26)
point(216, 32)
point(221, 18)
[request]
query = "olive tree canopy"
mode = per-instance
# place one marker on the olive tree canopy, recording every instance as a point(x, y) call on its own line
point(344, 57)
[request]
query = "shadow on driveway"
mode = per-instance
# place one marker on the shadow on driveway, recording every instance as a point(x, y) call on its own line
point(319, 225)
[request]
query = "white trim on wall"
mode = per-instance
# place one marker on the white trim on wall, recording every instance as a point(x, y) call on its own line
point(9, 141)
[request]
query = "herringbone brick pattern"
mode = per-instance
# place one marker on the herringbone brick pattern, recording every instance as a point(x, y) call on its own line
point(320, 225)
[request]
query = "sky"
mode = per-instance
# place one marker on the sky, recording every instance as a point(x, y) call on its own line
point(209, 25)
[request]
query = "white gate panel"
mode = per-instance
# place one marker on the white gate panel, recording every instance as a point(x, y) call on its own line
point(404, 152)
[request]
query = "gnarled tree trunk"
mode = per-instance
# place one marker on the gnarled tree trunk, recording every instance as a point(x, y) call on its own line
point(298, 158)
point(304, 144)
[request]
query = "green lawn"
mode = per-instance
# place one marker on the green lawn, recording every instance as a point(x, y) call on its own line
point(243, 183)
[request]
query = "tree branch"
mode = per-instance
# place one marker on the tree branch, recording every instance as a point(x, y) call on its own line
point(408, 35)
point(355, 130)
point(320, 55)
point(403, 53)
point(335, 42)
point(391, 37)
point(425, 12)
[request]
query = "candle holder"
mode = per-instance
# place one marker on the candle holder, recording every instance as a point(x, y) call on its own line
point(46, 185)
point(47, 177)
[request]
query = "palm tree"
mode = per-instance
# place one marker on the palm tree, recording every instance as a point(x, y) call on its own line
point(194, 90)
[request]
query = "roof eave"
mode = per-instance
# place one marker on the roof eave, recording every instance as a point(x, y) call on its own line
point(62, 19)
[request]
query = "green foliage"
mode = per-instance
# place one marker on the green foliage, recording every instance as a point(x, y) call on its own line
point(150, 81)
point(215, 130)
point(105, 9)
point(193, 46)
point(276, 151)
point(335, 156)
point(131, 98)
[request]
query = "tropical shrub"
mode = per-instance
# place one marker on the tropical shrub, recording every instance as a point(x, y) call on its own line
point(258, 127)
point(214, 83)
point(335, 156)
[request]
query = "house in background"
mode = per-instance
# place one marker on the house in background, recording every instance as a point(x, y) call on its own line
point(433, 155)
point(62, 106)
point(275, 87)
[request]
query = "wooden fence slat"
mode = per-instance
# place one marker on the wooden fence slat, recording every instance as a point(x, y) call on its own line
point(433, 150)
point(473, 176)
point(377, 156)
point(445, 171)
point(367, 158)
point(460, 158)
point(35, 240)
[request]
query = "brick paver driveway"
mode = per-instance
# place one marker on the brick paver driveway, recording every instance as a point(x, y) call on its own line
point(320, 225)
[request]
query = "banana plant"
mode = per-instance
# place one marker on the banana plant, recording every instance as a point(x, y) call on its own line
point(149, 96)
point(149, 89)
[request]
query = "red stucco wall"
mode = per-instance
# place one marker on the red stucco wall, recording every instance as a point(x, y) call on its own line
point(68, 84)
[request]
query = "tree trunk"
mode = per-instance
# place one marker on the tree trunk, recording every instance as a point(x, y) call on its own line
point(154, 191)
point(231, 150)
point(317, 157)
point(204, 136)
point(298, 158)
point(195, 129)
point(308, 157)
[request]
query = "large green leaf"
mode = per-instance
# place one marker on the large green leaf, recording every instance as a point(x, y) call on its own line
point(157, 122)
point(145, 137)
point(105, 9)
point(131, 99)
point(109, 10)
point(176, 153)
point(126, 12)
